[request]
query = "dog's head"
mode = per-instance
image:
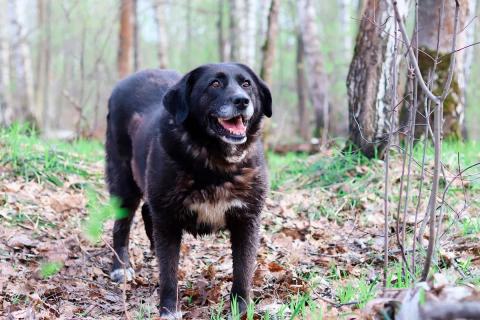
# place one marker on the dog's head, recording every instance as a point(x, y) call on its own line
point(225, 101)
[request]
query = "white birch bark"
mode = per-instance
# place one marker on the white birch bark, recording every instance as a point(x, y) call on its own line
point(369, 82)
point(316, 77)
point(160, 19)
point(23, 61)
point(6, 108)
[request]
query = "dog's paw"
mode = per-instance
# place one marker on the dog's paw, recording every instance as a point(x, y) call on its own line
point(118, 275)
point(171, 315)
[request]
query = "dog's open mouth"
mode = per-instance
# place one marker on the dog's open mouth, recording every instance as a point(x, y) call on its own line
point(231, 130)
point(234, 125)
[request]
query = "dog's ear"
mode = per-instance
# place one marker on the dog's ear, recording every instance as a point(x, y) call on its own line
point(263, 91)
point(176, 99)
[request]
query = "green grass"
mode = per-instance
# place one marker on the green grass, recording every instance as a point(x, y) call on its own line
point(470, 226)
point(145, 312)
point(49, 269)
point(323, 171)
point(20, 218)
point(30, 157)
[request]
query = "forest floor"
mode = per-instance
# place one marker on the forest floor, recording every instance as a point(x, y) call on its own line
point(321, 253)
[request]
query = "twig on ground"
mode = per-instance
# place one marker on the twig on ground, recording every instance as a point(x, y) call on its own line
point(124, 291)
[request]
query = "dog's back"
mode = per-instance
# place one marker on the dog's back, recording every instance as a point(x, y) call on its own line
point(133, 97)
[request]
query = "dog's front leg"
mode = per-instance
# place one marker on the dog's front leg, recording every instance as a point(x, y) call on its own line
point(167, 245)
point(244, 239)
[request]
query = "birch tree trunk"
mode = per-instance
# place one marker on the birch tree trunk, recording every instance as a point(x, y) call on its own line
point(369, 79)
point(345, 23)
point(428, 19)
point(237, 24)
point(268, 47)
point(160, 18)
point(6, 108)
point(250, 34)
point(161, 21)
point(42, 86)
point(23, 63)
point(223, 50)
point(303, 127)
point(125, 43)
point(136, 39)
point(317, 79)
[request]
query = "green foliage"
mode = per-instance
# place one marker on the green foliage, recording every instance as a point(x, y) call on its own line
point(470, 226)
point(324, 171)
point(216, 313)
point(284, 168)
point(48, 269)
point(144, 312)
point(99, 213)
point(250, 310)
point(32, 158)
point(346, 293)
point(235, 308)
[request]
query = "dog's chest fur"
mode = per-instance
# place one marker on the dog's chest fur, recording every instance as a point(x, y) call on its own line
point(212, 214)
point(210, 202)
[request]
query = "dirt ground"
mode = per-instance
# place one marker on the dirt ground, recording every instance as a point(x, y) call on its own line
point(301, 254)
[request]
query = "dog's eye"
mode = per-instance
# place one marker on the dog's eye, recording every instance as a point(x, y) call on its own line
point(215, 84)
point(246, 84)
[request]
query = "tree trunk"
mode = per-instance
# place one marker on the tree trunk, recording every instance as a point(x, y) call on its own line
point(189, 32)
point(250, 34)
point(222, 42)
point(316, 78)
point(369, 79)
point(160, 19)
point(125, 44)
point(303, 127)
point(23, 63)
point(136, 39)
point(428, 19)
point(345, 23)
point(268, 48)
point(6, 108)
point(42, 86)
point(237, 24)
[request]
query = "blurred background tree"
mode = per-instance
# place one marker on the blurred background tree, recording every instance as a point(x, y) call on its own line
point(60, 59)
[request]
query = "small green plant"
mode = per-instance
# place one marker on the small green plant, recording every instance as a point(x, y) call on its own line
point(346, 293)
point(19, 299)
point(235, 309)
point(217, 313)
point(145, 312)
point(48, 269)
point(99, 213)
point(366, 291)
point(465, 265)
point(298, 305)
point(250, 310)
point(335, 273)
point(421, 296)
point(398, 279)
point(470, 226)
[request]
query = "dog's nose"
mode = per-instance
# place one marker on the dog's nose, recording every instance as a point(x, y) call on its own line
point(240, 101)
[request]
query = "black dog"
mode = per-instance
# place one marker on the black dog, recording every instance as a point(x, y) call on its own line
point(190, 147)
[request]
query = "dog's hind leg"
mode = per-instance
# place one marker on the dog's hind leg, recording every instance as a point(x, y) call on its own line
point(123, 187)
point(147, 221)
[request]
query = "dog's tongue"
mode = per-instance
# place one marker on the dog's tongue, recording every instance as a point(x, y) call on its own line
point(234, 125)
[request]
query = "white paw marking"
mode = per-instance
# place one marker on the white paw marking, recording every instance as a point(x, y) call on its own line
point(119, 274)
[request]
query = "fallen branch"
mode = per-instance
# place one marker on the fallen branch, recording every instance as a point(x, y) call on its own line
point(451, 310)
